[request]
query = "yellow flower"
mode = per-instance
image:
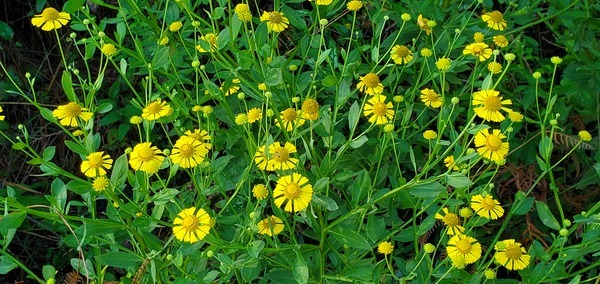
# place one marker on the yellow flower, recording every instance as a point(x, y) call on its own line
point(242, 11)
point(146, 158)
point(491, 146)
point(429, 134)
point(494, 20)
point(270, 226)
point(164, 40)
point(479, 49)
point(512, 255)
point(201, 135)
point(295, 191)
point(211, 39)
point(385, 248)
point(430, 98)
point(50, 19)
point(500, 41)
point(261, 159)
point(451, 221)
point(354, 5)
point(188, 152)
point(426, 52)
point(108, 49)
point(241, 118)
point(276, 21)
point(96, 164)
point(422, 22)
point(450, 163)
point(478, 37)
point(494, 67)
point(1, 116)
point(324, 2)
point(488, 105)
point(556, 60)
point(585, 136)
point(465, 212)
point(515, 116)
point(100, 183)
point(235, 86)
point(310, 109)
point(262, 87)
point(69, 113)
point(175, 26)
point(136, 120)
point(463, 248)
point(290, 118)
point(156, 110)
point(380, 111)
point(260, 191)
point(443, 63)
point(486, 207)
point(192, 225)
point(254, 115)
point(429, 248)
point(370, 84)
point(489, 274)
point(401, 54)
point(280, 156)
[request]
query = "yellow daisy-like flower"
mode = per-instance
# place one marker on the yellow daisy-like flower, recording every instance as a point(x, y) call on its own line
point(354, 5)
point(262, 87)
point(242, 11)
point(201, 135)
point(1, 116)
point(295, 191)
point(426, 52)
point(486, 207)
point(241, 118)
point(478, 37)
point(156, 110)
point(276, 21)
point(491, 146)
point(280, 156)
point(192, 225)
point(188, 152)
point(261, 159)
point(69, 113)
point(480, 50)
point(429, 134)
point(488, 105)
point(135, 120)
point(401, 54)
point(515, 116)
point(324, 2)
point(96, 164)
point(211, 39)
point(270, 226)
point(164, 40)
point(494, 20)
point(451, 221)
point(431, 98)
point(235, 86)
point(385, 248)
point(450, 163)
point(310, 109)
point(145, 157)
point(500, 41)
point(100, 183)
point(108, 49)
point(260, 191)
point(422, 22)
point(380, 111)
point(254, 115)
point(175, 26)
point(494, 67)
point(443, 63)
point(512, 255)
point(50, 19)
point(370, 84)
point(290, 118)
point(463, 249)
point(585, 136)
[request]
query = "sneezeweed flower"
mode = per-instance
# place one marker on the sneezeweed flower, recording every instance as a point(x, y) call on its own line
point(254, 115)
point(511, 255)
point(1, 116)
point(488, 105)
point(163, 41)
point(385, 248)
point(192, 225)
point(515, 116)
point(450, 163)
point(494, 67)
point(270, 226)
point(380, 111)
point(261, 159)
point(490, 145)
point(422, 22)
point(310, 109)
point(489, 274)
point(50, 19)
point(156, 110)
point(233, 88)
point(276, 21)
point(388, 128)
point(429, 134)
point(145, 157)
point(211, 39)
point(207, 110)
point(451, 221)
point(260, 191)
point(370, 84)
point(465, 212)
point(294, 190)
point(431, 98)
point(280, 156)
point(290, 118)
point(100, 183)
point(486, 207)
point(480, 50)
point(556, 60)
point(241, 118)
point(243, 13)
point(429, 248)
point(462, 247)
point(188, 152)
point(405, 17)
point(96, 164)
point(478, 37)
point(108, 49)
point(201, 135)
point(175, 26)
point(262, 87)
point(585, 136)
point(494, 20)
point(426, 52)
point(354, 5)
point(401, 54)
point(324, 2)
point(69, 114)
point(500, 41)
point(443, 63)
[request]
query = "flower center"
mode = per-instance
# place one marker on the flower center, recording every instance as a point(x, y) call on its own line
point(513, 252)
point(72, 109)
point(146, 154)
point(95, 161)
point(492, 103)
point(477, 50)
point(432, 96)
point(488, 203)
point(50, 14)
point(275, 17)
point(289, 114)
point(371, 80)
point(379, 108)
point(496, 17)
point(310, 106)
point(291, 191)
point(451, 219)
point(464, 246)
point(154, 108)
point(281, 154)
point(186, 150)
point(190, 223)
point(493, 142)
point(402, 51)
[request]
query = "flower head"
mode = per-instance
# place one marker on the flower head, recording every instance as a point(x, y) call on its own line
point(370, 84)
point(260, 191)
point(310, 109)
point(270, 226)
point(494, 20)
point(50, 19)
point(280, 156)
point(145, 157)
point(100, 183)
point(241, 118)
point(426, 52)
point(500, 41)
point(488, 105)
point(490, 145)
point(512, 255)
point(290, 118)
point(494, 67)
point(175, 26)
point(486, 207)
point(385, 248)
point(108, 49)
point(69, 113)
point(515, 116)
point(443, 63)
point(451, 221)
point(209, 38)
point(242, 11)
point(478, 37)
point(422, 22)
point(450, 163)
point(463, 249)
point(354, 5)
point(188, 152)
point(431, 98)
point(276, 21)
point(585, 136)
point(294, 191)
point(233, 88)
point(429, 134)
point(479, 49)
point(254, 115)
point(96, 164)
point(324, 2)
point(401, 54)
point(380, 111)
point(156, 110)
point(192, 225)
point(1, 116)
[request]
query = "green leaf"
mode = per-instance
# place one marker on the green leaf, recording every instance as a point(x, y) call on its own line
point(161, 58)
point(67, 84)
point(344, 92)
point(295, 19)
point(123, 66)
point(79, 187)
point(255, 248)
point(86, 270)
point(76, 147)
point(104, 108)
point(300, 269)
point(48, 153)
point(546, 216)
point(47, 114)
point(121, 260)
point(545, 147)
point(48, 271)
point(119, 170)
point(353, 116)
point(322, 57)
point(72, 6)
point(375, 54)
point(458, 180)
point(12, 220)
point(6, 265)
point(350, 238)
point(59, 195)
point(19, 146)
point(487, 82)
point(524, 203)
point(325, 202)
point(6, 32)
point(426, 190)
point(273, 77)
point(224, 38)
point(360, 187)
point(359, 142)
